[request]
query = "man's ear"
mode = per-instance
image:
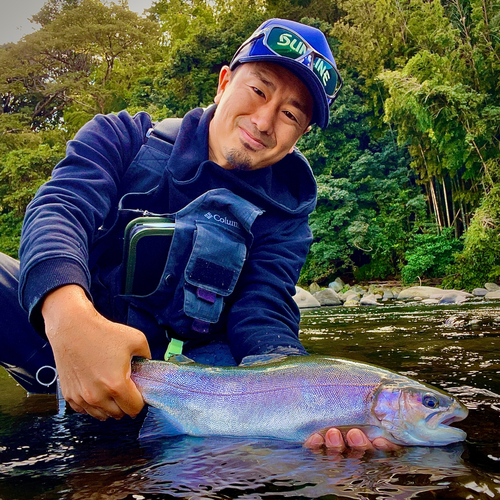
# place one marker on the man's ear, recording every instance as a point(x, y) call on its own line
point(305, 132)
point(224, 77)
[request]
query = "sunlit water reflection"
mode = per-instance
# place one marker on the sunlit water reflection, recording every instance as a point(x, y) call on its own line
point(46, 455)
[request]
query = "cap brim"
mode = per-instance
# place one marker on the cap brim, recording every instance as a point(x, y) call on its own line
point(321, 113)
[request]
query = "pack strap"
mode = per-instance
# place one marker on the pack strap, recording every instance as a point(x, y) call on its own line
point(166, 130)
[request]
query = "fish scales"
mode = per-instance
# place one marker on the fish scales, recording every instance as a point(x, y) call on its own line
point(288, 399)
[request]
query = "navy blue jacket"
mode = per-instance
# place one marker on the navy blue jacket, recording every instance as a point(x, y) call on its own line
point(73, 228)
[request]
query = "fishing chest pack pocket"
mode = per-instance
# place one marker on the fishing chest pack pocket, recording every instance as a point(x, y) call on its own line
point(146, 246)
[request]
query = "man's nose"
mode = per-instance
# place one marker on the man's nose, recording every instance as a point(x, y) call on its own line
point(264, 118)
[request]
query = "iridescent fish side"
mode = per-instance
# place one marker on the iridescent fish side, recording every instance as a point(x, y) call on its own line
point(292, 398)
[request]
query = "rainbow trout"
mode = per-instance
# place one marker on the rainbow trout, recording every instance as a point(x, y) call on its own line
point(293, 397)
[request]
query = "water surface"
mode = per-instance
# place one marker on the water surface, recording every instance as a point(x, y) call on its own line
point(49, 454)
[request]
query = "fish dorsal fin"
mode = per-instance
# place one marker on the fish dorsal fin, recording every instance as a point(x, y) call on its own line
point(180, 359)
point(157, 423)
point(262, 359)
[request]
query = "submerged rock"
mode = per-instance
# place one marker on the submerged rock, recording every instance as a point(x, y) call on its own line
point(454, 321)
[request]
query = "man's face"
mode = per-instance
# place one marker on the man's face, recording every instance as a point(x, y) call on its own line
point(262, 111)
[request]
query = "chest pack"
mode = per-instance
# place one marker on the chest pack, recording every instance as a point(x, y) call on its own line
point(207, 251)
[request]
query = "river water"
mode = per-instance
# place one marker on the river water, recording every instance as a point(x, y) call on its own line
point(48, 453)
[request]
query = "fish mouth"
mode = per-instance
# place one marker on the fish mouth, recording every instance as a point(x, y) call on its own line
point(452, 434)
point(455, 413)
point(450, 420)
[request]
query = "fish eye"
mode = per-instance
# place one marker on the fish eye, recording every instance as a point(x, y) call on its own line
point(430, 401)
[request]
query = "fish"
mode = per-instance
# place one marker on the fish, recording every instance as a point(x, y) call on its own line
point(291, 398)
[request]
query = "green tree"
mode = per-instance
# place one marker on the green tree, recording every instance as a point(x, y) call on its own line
point(86, 55)
point(199, 38)
point(22, 172)
point(368, 204)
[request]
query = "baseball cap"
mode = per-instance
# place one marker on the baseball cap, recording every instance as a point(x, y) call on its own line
point(304, 51)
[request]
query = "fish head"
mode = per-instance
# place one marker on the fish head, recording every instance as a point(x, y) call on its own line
point(418, 414)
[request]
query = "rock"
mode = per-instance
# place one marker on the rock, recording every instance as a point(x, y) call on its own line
point(429, 292)
point(424, 292)
point(493, 295)
point(328, 297)
point(479, 292)
point(350, 295)
point(474, 322)
point(351, 303)
point(492, 287)
point(455, 297)
point(335, 286)
point(454, 321)
point(388, 295)
point(430, 301)
point(304, 299)
point(314, 287)
point(369, 300)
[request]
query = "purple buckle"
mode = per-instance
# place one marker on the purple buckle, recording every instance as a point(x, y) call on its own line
point(200, 326)
point(206, 295)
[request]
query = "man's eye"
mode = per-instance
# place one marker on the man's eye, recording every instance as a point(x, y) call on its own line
point(291, 116)
point(259, 92)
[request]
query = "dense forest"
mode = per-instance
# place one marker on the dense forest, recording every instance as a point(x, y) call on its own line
point(408, 171)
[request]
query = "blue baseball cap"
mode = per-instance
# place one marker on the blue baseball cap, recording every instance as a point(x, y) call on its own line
point(304, 51)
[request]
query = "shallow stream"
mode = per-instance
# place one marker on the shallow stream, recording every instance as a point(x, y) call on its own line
point(46, 453)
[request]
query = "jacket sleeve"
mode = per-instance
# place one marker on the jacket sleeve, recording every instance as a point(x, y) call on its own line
point(62, 220)
point(264, 317)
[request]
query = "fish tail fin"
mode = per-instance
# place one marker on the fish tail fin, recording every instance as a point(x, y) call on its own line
point(158, 423)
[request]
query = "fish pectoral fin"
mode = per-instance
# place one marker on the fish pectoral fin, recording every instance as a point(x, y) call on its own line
point(158, 423)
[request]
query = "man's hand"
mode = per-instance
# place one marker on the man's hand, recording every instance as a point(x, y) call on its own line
point(93, 355)
point(355, 440)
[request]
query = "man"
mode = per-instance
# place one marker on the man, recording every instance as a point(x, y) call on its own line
point(240, 194)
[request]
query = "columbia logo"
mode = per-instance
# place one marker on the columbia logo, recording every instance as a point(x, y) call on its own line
point(223, 220)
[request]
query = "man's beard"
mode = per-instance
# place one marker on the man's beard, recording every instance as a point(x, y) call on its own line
point(239, 160)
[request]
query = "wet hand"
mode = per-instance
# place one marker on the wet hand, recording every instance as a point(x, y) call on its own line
point(355, 440)
point(93, 355)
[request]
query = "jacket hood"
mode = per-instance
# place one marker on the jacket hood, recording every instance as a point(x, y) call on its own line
point(288, 185)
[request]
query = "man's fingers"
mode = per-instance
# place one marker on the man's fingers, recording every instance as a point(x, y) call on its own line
point(355, 442)
point(130, 401)
point(314, 441)
point(76, 407)
point(358, 440)
point(385, 445)
point(141, 346)
point(334, 440)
